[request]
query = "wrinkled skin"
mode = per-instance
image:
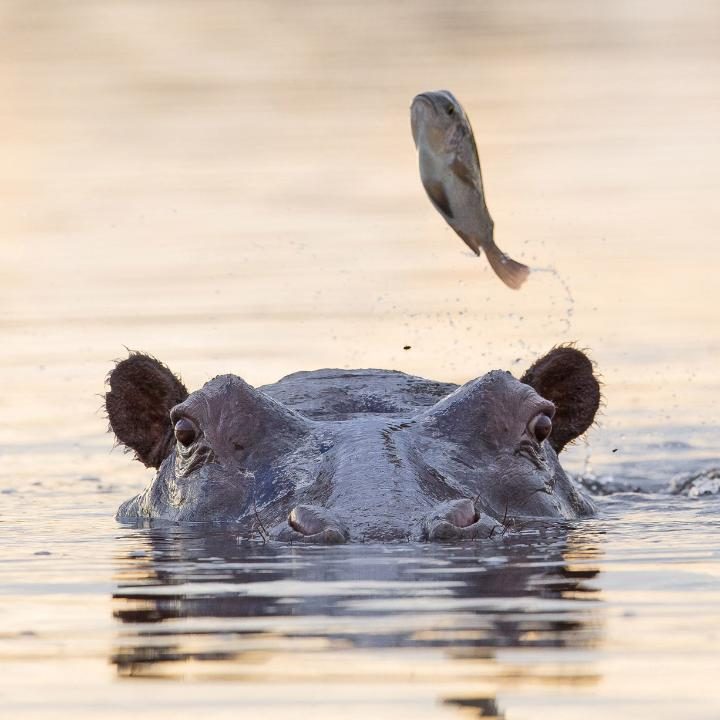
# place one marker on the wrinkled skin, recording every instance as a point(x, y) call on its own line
point(333, 455)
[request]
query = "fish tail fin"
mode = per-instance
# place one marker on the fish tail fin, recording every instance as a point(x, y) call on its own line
point(512, 273)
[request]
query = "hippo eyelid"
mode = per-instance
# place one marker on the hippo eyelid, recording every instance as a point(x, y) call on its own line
point(178, 413)
point(535, 405)
point(547, 408)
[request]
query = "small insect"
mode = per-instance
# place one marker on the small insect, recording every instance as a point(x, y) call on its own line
point(450, 173)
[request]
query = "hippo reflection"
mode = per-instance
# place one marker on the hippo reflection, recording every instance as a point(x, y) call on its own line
point(336, 455)
point(192, 594)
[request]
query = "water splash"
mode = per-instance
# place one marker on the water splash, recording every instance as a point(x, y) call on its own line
point(569, 299)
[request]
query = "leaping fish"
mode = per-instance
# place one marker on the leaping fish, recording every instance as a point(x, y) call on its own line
point(450, 173)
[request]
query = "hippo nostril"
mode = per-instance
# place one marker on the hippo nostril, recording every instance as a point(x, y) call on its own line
point(317, 524)
point(541, 427)
point(185, 432)
point(307, 519)
point(455, 519)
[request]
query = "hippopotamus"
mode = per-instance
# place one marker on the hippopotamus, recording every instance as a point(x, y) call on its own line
point(330, 456)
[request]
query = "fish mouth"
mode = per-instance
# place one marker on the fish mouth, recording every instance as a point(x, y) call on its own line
point(434, 98)
point(425, 98)
point(419, 116)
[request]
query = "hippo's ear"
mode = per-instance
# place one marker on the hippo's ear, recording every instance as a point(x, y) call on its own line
point(565, 377)
point(142, 393)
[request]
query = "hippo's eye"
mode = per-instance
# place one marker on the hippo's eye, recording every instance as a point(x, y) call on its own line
point(185, 432)
point(540, 427)
point(450, 110)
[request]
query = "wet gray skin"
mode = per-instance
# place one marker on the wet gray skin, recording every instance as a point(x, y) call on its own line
point(356, 455)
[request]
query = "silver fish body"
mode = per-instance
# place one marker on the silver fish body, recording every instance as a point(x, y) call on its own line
point(450, 173)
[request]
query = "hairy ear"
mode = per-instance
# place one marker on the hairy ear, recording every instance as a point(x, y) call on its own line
point(142, 393)
point(565, 377)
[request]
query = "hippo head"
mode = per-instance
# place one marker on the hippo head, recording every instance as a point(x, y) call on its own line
point(332, 455)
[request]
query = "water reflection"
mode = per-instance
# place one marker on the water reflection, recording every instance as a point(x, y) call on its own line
point(480, 707)
point(513, 609)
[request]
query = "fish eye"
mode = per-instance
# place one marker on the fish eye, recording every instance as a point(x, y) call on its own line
point(540, 427)
point(185, 432)
point(450, 110)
